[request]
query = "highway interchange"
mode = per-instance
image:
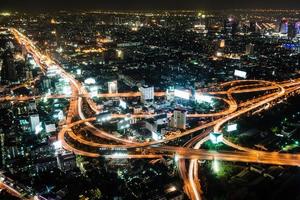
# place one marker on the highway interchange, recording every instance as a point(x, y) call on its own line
point(272, 93)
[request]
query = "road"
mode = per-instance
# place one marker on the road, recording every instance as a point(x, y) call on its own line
point(271, 93)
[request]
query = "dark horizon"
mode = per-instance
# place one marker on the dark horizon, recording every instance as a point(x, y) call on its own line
point(143, 5)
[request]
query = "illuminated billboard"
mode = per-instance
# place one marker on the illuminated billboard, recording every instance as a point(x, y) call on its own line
point(90, 81)
point(231, 127)
point(182, 94)
point(239, 73)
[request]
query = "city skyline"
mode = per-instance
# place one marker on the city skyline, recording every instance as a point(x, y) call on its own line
point(56, 5)
point(151, 105)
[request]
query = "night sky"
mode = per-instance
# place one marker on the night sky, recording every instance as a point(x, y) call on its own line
point(41, 5)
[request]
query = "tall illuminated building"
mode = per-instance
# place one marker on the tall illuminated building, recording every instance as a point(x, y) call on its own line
point(179, 119)
point(2, 140)
point(120, 54)
point(1, 65)
point(34, 122)
point(113, 87)
point(231, 25)
point(222, 43)
point(147, 93)
point(284, 26)
point(297, 28)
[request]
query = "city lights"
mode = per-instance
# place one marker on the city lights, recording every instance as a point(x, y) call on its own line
point(231, 127)
point(203, 98)
point(57, 145)
point(240, 73)
point(104, 116)
point(89, 95)
point(90, 81)
point(182, 94)
point(5, 14)
point(123, 104)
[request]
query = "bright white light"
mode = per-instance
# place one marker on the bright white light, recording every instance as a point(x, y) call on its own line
point(232, 127)
point(113, 87)
point(123, 104)
point(50, 128)
point(93, 91)
point(60, 50)
point(119, 53)
point(182, 94)
point(240, 73)
point(38, 128)
point(122, 155)
point(59, 115)
point(78, 71)
point(155, 136)
point(90, 81)
point(171, 189)
point(215, 166)
point(104, 119)
point(203, 98)
point(219, 54)
point(176, 158)
point(57, 145)
point(67, 90)
point(216, 138)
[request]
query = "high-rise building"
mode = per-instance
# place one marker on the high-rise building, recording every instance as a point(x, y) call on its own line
point(113, 87)
point(249, 49)
point(24, 51)
point(147, 93)
point(1, 65)
point(2, 137)
point(46, 83)
point(179, 119)
point(252, 27)
point(32, 106)
point(222, 43)
point(34, 122)
point(120, 54)
point(283, 27)
point(231, 25)
point(297, 27)
point(292, 30)
point(8, 72)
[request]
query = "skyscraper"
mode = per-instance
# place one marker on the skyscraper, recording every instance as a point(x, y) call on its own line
point(34, 121)
point(297, 28)
point(252, 27)
point(249, 49)
point(283, 27)
point(231, 25)
point(8, 72)
point(147, 93)
point(113, 87)
point(179, 119)
point(292, 30)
